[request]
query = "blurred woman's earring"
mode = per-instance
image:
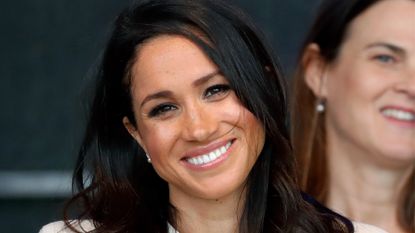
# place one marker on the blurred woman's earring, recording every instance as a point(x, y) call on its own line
point(148, 158)
point(321, 105)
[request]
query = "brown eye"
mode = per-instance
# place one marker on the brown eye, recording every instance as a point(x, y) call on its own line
point(216, 90)
point(161, 109)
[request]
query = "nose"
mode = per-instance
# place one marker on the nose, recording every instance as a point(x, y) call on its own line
point(407, 85)
point(199, 123)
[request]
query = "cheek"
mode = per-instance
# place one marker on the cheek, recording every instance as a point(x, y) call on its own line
point(340, 82)
point(246, 120)
point(157, 139)
point(343, 90)
point(229, 112)
point(360, 91)
point(258, 135)
point(253, 131)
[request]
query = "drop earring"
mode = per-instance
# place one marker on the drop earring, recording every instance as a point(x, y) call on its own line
point(321, 106)
point(148, 158)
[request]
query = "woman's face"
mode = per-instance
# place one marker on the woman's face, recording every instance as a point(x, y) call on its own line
point(370, 87)
point(200, 138)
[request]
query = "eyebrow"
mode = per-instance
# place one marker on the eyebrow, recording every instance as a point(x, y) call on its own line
point(169, 94)
point(205, 78)
point(393, 48)
point(157, 95)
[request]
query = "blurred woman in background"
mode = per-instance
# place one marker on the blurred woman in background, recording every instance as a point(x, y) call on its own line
point(353, 118)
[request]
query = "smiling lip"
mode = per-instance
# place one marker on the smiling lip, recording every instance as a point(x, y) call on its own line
point(208, 156)
point(402, 116)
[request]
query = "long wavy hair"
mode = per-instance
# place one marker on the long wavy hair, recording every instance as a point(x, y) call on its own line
point(308, 130)
point(120, 192)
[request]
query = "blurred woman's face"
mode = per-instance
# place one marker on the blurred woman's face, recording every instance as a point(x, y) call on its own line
point(200, 138)
point(370, 87)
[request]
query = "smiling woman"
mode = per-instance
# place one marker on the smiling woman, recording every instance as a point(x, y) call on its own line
point(187, 131)
point(198, 135)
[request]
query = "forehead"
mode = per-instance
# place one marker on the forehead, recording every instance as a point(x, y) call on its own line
point(386, 20)
point(166, 52)
point(169, 59)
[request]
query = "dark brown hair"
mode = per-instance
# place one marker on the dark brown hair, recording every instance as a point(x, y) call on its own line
point(307, 126)
point(120, 192)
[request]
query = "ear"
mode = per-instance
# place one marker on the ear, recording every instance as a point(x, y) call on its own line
point(314, 67)
point(132, 130)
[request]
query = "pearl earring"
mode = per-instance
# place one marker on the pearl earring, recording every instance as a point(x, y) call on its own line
point(321, 106)
point(148, 158)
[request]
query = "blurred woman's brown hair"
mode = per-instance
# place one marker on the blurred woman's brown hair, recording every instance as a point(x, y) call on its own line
point(308, 131)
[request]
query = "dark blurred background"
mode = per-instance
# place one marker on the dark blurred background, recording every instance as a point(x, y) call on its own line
point(48, 51)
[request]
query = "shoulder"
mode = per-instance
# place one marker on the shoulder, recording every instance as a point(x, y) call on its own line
point(60, 227)
point(366, 228)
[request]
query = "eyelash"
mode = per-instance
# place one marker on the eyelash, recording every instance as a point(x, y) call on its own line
point(385, 58)
point(217, 91)
point(161, 109)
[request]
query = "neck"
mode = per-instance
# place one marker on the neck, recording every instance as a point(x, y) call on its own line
point(364, 190)
point(206, 215)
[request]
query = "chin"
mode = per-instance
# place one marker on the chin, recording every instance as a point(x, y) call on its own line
point(399, 156)
point(220, 193)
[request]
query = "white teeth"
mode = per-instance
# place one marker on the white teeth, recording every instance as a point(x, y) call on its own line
point(222, 150)
point(399, 114)
point(212, 156)
point(216, 153)
point(206, 158)
point(209, 157)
